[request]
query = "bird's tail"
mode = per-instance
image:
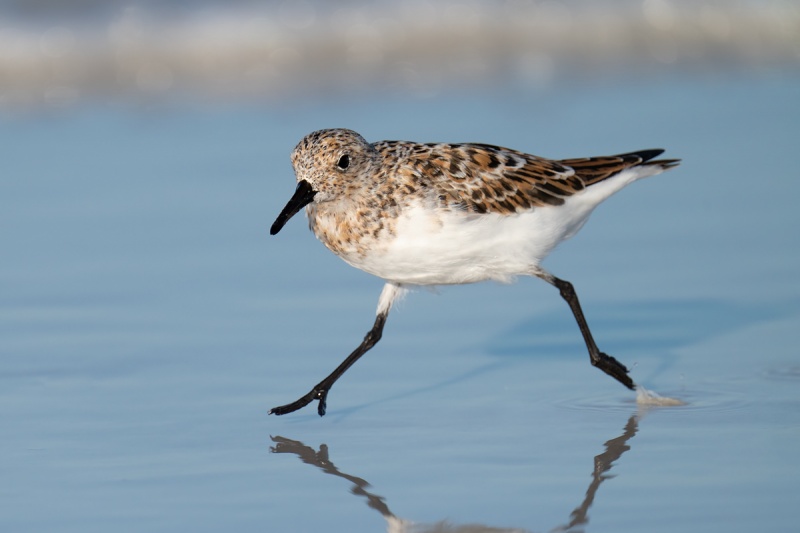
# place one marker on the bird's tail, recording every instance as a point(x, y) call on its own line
point(595, 169)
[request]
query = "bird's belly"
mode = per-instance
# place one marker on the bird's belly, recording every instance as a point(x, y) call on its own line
point(432, 248)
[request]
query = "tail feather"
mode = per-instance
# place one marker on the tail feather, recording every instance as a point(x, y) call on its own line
point(646, 158)
point(595, 169)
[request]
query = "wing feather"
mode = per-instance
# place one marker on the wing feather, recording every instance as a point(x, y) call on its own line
point(482, 178)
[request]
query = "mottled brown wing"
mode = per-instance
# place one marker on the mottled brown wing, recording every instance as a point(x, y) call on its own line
point(484, 178)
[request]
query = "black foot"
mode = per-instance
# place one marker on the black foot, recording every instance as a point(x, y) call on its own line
point(614, 368)
point(315, 394)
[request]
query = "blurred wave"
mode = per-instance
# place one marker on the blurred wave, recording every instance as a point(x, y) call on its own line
point(62, 52)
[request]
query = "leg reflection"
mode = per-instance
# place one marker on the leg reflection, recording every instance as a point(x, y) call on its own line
point(320, 460)
point(603, 463)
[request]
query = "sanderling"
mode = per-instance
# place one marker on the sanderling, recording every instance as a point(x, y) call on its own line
point(442, 214)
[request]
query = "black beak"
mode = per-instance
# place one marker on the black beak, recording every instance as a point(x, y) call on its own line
point(303, 196)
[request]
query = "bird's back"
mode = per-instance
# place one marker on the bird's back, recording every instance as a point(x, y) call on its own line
point(482, 178)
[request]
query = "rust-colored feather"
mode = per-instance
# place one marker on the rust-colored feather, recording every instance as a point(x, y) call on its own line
point(490, 179)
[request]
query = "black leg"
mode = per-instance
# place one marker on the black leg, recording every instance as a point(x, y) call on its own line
point(320, 390)
point(603, 361)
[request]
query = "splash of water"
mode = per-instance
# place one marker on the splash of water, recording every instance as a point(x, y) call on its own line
point(649, 398)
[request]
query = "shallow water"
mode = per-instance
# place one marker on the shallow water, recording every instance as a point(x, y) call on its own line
point(149, 322)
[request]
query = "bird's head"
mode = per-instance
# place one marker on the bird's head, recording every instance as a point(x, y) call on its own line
point(327, 163)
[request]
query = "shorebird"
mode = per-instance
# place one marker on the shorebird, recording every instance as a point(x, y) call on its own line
point(419, 214)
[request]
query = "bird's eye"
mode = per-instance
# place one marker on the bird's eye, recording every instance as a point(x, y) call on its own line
point(343, 162)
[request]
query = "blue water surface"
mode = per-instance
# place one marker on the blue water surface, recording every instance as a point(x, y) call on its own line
point(149, 322)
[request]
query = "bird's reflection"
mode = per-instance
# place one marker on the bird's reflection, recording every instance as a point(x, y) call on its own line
point(614, 448)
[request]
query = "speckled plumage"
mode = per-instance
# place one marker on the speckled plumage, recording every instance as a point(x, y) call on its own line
point(431, 203)
point(436, 213)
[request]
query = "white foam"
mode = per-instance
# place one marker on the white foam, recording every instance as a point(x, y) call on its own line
point(648, 398)
point(279, 50)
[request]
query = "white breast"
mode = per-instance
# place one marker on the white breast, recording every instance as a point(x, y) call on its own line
point(432, 248)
